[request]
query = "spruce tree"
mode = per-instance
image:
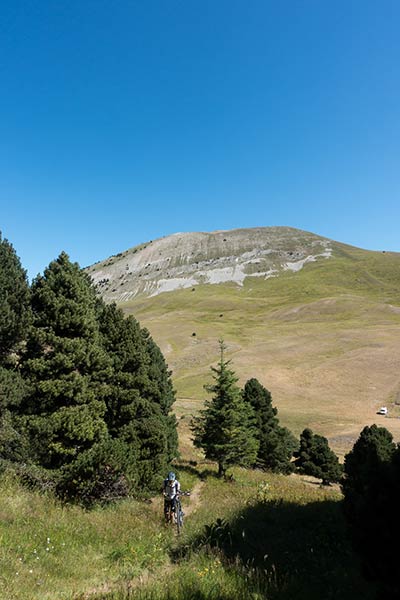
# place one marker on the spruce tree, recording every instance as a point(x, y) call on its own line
point(13, 390)
point(162, 392)
point(137, 408)
point(371, 487)
point(225, 429)
point(68, 370)
point(276, 443)
point(14, 301)
point(317, 459)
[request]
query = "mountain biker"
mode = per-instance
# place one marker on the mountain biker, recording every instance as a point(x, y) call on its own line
point(171, 488)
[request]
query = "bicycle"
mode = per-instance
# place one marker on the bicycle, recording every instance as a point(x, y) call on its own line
point(176, 516)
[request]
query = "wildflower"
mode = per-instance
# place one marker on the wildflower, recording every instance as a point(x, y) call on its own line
point(30, 570)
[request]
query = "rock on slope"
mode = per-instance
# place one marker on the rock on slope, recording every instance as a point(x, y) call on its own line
point(185, 260)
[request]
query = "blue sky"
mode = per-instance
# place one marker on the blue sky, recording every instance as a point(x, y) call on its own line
point(123, 121)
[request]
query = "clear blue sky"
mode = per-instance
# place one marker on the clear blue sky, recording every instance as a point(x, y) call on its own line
point(125, 120)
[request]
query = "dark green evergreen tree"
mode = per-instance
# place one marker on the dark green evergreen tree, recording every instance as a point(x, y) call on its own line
point(13, 390)
point(362, 465)
point(225, 430)
point(276, 443)
point(315, 458)
point(162, 392)
point(371, 488)
point(64, 414)
point(14, 301)
point(137, 407)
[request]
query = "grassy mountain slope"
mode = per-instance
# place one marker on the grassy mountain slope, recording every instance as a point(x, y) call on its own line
point(324, 339)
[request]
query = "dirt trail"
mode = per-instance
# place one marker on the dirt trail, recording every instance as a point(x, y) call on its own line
point(195, 499)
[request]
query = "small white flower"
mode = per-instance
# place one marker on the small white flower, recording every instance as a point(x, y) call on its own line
point(47, 549)
point(17, 573)
point(30, 571)
point(35, 551)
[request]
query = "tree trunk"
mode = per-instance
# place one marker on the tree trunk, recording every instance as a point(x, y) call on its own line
point(221, 470)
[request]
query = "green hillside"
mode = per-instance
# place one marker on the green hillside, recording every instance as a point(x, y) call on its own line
point(325, 339)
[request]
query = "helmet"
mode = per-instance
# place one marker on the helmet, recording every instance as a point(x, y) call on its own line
point(171, 476)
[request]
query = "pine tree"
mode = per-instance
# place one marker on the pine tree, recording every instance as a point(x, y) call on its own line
point(362, 465)
point(225, 429)
point(137, 408)
point(276, 443)
point(14, 301)
point(371, 488)
point(68, 369)
point(13, 390)
point(317, 459)
point(162, 392)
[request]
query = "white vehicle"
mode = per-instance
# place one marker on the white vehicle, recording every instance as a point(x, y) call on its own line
point(382, 411)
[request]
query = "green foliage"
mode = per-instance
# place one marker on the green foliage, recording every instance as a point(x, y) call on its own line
point(14, 301)
point(140, 395)
point(276, 443)
point(225, 429)
point(362, 465)
point(317, 459)
point(163, 392)
point(371, 489)
point(68, 369)
point(13, 389)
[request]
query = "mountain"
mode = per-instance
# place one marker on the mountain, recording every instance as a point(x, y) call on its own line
point(184, 260)
point(315, 320)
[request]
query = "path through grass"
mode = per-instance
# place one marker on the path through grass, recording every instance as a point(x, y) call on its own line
point(259, 536)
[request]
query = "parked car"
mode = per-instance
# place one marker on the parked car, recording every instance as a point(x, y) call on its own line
point(382, 411)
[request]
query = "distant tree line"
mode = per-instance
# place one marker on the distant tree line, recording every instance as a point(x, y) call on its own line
point(85, 393)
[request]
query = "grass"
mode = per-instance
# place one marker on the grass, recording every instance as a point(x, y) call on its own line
point(259, 536)
point(325, 340)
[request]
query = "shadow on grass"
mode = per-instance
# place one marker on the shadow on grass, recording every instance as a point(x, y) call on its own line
point(288, 551)
point(193, 469)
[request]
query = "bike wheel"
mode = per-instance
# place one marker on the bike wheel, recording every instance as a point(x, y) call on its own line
point(179, 517)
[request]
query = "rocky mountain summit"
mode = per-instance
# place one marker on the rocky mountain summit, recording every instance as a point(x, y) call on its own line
point(184, 260)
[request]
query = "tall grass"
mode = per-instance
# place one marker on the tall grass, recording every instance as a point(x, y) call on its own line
point(258, 536)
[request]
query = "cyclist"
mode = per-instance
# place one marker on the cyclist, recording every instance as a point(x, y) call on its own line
point(171, 489)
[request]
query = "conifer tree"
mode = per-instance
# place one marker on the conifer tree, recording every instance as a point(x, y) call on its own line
point(13, 389)
point(162, 392)
point(136, 407)
point(317, 459)
point(14, 301)
point(225, 429)
point(15, 317)
point(276, 443)
point(68, 370)
point(371, 487)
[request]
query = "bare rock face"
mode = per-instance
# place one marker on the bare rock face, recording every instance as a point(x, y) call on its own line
point(184, 260)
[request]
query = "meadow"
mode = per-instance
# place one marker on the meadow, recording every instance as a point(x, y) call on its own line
point(324, 340)
point(258, 535)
